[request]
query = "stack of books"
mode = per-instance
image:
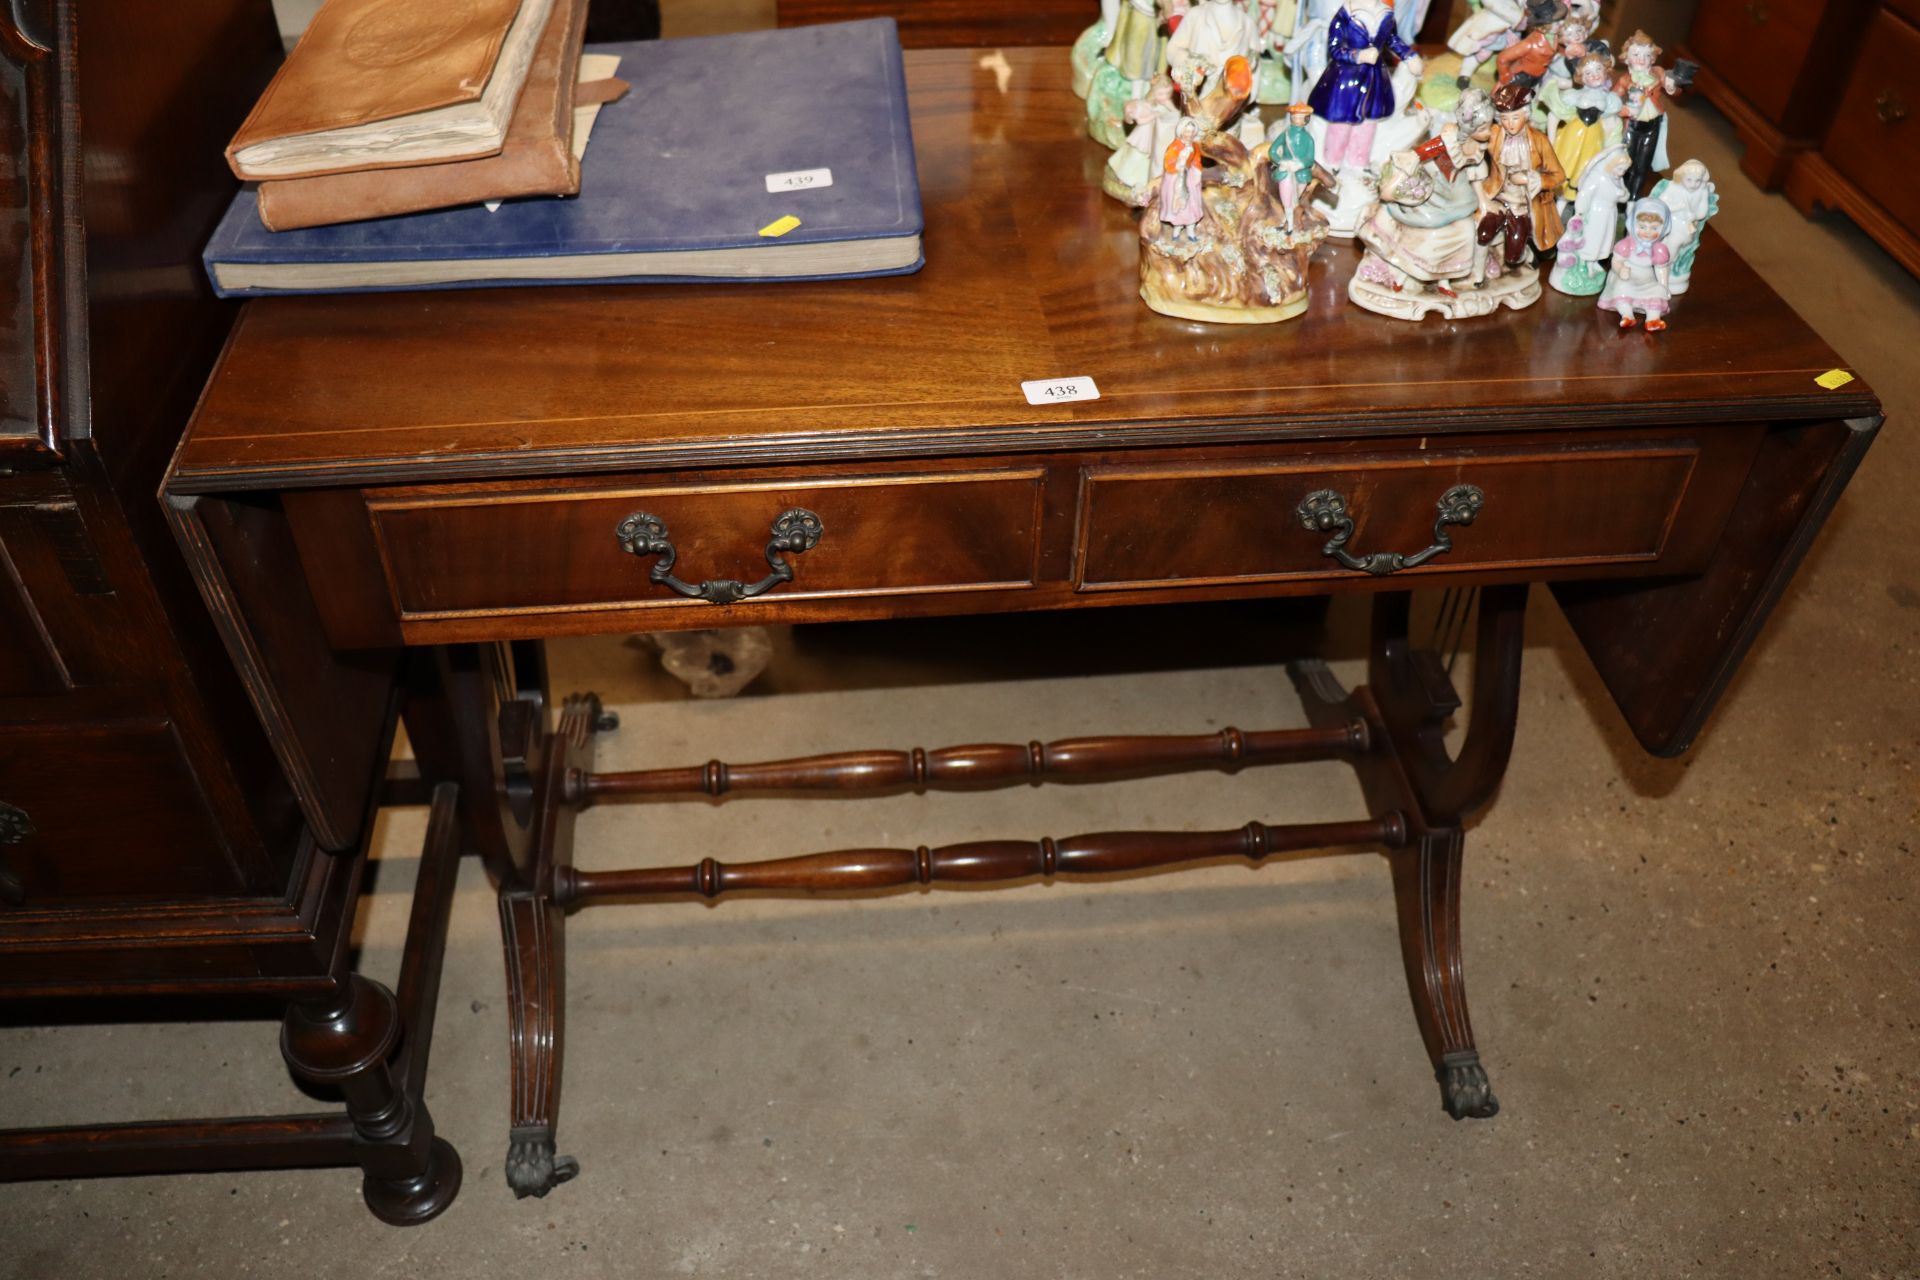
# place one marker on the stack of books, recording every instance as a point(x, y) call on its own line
point(394, 106)
point(377, 158)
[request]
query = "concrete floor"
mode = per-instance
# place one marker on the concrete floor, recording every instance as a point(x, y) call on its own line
point(1694, 982)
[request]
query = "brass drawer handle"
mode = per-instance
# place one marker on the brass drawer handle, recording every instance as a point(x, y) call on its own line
point(1326, 512)
point(15, 826)
point(1890, 107)
point(794, 531)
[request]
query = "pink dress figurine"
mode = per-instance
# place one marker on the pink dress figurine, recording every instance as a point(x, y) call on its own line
point(1642, 268)
point(1180, 204)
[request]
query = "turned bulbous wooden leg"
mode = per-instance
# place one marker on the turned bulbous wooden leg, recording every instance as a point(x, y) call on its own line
point(344, 1041)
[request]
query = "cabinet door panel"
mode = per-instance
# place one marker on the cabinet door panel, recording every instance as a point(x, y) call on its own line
point(114, 812)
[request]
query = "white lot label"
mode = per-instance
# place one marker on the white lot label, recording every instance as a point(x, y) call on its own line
point(1060, 390)
point(800, 180)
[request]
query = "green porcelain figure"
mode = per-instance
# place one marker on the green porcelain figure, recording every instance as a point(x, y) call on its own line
point(1291, 155)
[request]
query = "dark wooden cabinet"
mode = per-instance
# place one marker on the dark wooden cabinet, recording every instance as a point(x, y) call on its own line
point(1774, 66)
point(143, 778)
point(1820, 92)
point(151, 840)
point(1868, 164)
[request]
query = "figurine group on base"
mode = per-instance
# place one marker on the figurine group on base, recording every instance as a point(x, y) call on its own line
point(1454, 206)
point(1234, 250)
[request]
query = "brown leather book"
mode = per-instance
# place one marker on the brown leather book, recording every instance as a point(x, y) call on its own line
point(536, 159)
point(383, 83)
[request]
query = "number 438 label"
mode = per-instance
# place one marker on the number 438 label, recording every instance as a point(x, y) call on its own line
point(1060, 390)
point(800, 180)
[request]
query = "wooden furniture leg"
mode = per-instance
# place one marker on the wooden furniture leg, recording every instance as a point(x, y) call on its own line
point(1426, 888)
point(533, 935)
point(467, 727)
point(345, 1039)
point(532, 932)
point(345, 1042)
point(1391, 732)
point(1414, 700)
point(477, 715)
point(1409, 700)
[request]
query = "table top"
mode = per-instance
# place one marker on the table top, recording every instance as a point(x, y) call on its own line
point(1031, 273)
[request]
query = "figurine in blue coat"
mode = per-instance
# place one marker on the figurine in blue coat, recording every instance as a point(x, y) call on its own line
point(1355, 91)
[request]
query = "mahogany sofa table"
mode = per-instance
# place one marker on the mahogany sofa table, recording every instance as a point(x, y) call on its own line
point(463, 474)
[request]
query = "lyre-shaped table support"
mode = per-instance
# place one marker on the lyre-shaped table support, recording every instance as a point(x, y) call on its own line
point(1391, 732)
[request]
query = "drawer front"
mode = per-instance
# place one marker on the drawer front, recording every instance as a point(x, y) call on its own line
point(501, 551)
point(1229, 524)
point(1759, 47)
point(1874, 140)
point(104, 810)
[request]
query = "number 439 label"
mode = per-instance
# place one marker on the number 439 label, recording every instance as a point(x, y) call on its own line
point(1060, 390)
point(800, 180)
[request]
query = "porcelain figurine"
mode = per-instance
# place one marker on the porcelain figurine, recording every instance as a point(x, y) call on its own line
point(1587, 120)
point(1092, 45)
point(1475, 120)
point(1130, 172)
point(1291, 153)
point(1222, 251)
point(1355, 188)
point(1211, 33)
point(1579, 263)
point(1424, 255)
point(1528, 58)
point(1492, 26)
point(1644, 90)
point(1355, 92)
point(1639, 281)
point(1575, 42)
point(1180, 205)
point(1518, 196)
point(1691, 199)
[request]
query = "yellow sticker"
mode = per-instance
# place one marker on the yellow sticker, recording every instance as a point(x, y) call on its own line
point(1832, 379)
point(779, 226)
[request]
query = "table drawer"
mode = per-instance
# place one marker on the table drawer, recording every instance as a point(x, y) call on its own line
point(1244, 523)
point(479, 551)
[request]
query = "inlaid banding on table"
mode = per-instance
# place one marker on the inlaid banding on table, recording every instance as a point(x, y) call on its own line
point(982, 765)
point(978, 862)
